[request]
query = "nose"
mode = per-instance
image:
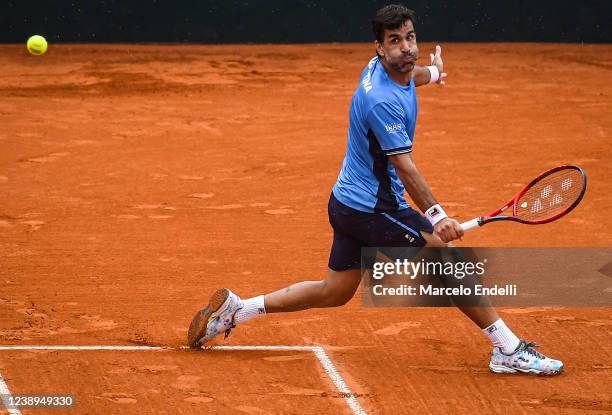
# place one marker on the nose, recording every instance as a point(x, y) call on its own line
point(405, 46)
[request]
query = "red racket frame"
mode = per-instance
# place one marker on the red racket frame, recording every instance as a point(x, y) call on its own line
point(492, 217)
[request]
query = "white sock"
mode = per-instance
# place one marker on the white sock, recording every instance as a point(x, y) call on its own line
point(501, 336)
point(253, 307)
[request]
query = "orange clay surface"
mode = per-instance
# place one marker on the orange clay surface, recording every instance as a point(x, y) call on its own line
point(135, 180)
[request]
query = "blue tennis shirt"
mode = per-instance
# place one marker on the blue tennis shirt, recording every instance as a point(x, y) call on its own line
point(381, 123)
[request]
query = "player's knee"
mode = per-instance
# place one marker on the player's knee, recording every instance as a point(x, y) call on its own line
point(339, 300)
point(336, 295)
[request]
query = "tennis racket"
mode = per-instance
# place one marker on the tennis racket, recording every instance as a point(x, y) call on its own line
point(548, 197)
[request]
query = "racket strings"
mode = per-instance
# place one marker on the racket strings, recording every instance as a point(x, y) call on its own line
point(550, 196)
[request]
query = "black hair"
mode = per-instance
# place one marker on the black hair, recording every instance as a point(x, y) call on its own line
point(392, 16)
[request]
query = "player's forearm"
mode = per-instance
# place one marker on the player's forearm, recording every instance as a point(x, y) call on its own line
point(417, 187)
point(421, 75)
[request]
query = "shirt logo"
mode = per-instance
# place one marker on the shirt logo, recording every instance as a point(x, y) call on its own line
point(393, 128)
point(367, 80)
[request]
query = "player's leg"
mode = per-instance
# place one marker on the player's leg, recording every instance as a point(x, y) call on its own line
point(510, 354)
point(226, 309)
point(483, 317)
point(335, 290)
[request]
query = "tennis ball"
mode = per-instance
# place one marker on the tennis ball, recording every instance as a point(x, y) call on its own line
point(37, 45)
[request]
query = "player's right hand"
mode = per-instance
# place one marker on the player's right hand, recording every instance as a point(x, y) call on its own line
point(448, 230)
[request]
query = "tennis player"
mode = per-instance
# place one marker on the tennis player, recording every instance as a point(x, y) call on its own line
point(367, 205)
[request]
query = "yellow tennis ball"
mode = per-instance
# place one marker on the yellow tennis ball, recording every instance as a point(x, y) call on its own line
point(37, 45)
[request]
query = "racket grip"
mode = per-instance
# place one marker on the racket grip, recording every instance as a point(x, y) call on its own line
point(471, 224)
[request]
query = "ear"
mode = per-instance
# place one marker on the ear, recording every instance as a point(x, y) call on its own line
point(379, 48)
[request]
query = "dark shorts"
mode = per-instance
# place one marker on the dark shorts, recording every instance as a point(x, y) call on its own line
point(354, 229)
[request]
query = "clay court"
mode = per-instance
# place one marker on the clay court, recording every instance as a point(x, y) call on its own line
point(137, 179)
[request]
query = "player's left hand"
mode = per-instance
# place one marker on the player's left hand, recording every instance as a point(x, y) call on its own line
point(436, 60)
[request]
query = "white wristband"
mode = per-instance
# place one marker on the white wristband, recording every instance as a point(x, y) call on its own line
point(434, 74)
point(435, 214)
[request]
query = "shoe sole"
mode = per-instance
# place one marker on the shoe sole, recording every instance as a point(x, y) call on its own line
point(197, 328)
point(505, 369)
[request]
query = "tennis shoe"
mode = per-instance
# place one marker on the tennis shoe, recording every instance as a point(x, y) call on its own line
point(216, 318)
point(525, 359)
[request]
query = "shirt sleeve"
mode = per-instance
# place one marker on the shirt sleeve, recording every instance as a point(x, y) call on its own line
point(387, 122)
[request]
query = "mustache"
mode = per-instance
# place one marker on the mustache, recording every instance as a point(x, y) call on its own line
point(410, 55)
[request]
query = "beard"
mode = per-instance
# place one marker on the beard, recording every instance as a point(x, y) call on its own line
point(403, 63)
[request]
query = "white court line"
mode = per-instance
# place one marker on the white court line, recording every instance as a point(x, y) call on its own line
point(124, 348)
point(6, 396)
point(278, 348)
point(338, 381)
point(326, 363)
